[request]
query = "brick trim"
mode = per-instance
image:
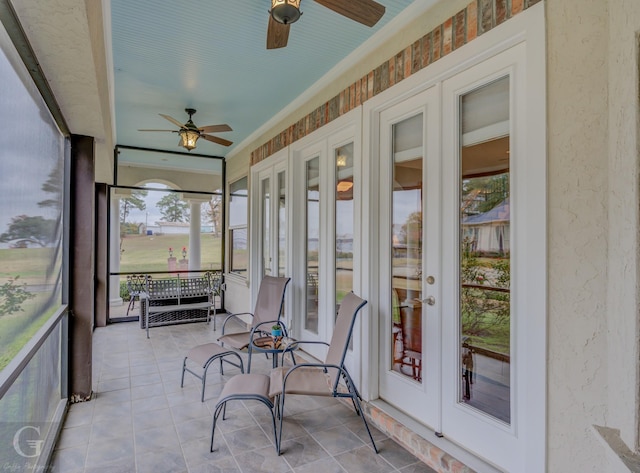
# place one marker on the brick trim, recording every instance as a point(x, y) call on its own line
point(475, 19)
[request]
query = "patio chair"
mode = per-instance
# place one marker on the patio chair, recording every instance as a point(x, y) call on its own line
point(411, 325)
point(135, 285)
point(267, 311)
point(323, 379)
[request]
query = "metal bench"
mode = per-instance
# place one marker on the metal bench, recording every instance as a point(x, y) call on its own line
point(166, 301)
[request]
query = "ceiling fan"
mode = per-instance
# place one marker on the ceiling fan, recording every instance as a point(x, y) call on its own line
point(285, 12)
point(189, 132)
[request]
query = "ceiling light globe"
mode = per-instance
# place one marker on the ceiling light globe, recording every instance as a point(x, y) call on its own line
point(285, 11)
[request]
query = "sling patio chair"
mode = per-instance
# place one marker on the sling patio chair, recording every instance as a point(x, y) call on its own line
point(267, 312)
point(323, 379)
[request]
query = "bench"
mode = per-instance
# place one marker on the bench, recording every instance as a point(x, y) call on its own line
point(166, 301)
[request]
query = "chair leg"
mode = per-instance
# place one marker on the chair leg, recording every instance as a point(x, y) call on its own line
point(366, 424)
point(215, 420)
point(184, 367)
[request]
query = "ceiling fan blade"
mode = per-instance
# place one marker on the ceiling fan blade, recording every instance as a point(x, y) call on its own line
point(172, 131)
point(172, 120)
point(215, 128)
point(366, 12)
point(215, 139)
point(277, 34)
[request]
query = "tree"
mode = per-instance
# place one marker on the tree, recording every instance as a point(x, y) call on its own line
point(12, 296)
point(31, 229)
point(53, 185)
point(213, 213)
point(173, 208)
point(134, 201)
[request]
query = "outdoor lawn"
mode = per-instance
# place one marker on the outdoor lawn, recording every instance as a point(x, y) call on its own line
point(145, 253)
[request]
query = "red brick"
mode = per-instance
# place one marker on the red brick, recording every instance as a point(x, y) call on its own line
point(392, 70)
point(426, 50)
point(437, 43)
point(416, 56)
point(501, 11)
point(485, 14)
point(352, 96)
point(472, 21)
point(516, 6)
point(447, 36)
point(407, 61)
point(459, 29)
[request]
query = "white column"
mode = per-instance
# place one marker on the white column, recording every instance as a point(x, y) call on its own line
point(194, 235)
point(114, 253)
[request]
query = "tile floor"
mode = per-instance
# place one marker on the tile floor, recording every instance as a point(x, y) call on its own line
point(140, 420)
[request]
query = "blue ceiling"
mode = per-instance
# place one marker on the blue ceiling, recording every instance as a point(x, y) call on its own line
point(211, 55)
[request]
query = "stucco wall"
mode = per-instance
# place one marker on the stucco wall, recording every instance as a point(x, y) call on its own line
point(577, 222)
point(622, 303)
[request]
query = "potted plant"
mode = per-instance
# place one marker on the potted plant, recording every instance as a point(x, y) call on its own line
point(276, 330)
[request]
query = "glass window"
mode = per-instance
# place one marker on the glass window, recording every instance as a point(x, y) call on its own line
point(344, 221)
point(312, 173)
point(282, 224)
point(238, 208)
point(485, 249)
point(406, 247)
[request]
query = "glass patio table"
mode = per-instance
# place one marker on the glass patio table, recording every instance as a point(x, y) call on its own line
point(275, 346)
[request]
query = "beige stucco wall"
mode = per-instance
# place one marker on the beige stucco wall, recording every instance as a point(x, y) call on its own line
point(622, 301)
point(577, 224)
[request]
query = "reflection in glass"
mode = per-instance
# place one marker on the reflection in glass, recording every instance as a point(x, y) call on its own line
point(238, 208)
point(406, 250)
point(344, 221)
point(266, 249)
point(239, 255)
point(282, 224)
point(485, 312)
point(312, 184)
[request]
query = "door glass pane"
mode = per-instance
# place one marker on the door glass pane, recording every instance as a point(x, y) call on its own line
point(282, 224)
point(485, 321)
point(344, 221)
point(312, 179)
point(406, 251)
point(266, 247)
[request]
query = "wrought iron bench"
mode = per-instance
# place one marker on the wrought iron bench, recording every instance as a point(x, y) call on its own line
point(166, 301)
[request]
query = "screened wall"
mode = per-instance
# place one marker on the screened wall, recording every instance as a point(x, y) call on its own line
point(33, 348)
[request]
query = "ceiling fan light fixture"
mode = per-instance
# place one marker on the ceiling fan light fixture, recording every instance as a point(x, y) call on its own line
point(285, 11)
point(188, 138)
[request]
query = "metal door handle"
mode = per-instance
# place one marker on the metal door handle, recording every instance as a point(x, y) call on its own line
point(430, 300)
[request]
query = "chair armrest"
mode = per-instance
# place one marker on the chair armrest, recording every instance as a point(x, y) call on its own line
point(231, 316)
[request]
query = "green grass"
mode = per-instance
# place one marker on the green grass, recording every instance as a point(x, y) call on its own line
point(150, 252)
point(17, 329)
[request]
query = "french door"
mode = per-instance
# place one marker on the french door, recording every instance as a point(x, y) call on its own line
point(325, 258)
point(269, 216)
point(460, 260)
point(410, 263)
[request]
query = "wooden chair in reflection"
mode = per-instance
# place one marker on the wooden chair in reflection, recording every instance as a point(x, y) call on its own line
point(411, 330)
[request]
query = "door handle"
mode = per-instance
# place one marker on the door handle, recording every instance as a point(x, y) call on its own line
point(429, 300)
